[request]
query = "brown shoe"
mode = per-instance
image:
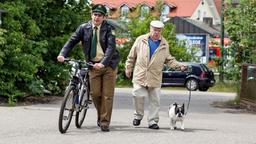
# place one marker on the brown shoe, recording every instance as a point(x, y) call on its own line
point(104, 128)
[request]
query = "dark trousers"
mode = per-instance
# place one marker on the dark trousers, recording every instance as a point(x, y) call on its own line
point(102, 85)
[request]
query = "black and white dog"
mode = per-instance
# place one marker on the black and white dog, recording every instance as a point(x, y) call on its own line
point(176, 114)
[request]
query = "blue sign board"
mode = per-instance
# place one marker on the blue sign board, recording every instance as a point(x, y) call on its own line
point(196, 41)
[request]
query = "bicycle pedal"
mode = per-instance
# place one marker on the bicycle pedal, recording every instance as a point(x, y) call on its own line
point(89, 101)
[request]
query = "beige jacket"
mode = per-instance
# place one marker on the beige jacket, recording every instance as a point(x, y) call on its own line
point(146, 71)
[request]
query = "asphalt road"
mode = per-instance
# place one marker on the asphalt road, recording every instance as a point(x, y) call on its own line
point(204, 124)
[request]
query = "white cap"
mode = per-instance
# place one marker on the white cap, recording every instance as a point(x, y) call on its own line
point(157, 24)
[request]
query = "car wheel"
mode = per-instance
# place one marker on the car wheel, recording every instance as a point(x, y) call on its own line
point(192, 84)
point(203, 88)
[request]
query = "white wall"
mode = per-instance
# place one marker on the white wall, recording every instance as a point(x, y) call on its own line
point(207, 8)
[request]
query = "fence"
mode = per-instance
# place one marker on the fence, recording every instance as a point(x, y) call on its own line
point(248, 87)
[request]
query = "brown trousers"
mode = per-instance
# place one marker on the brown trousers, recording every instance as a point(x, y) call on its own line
point(102, 85)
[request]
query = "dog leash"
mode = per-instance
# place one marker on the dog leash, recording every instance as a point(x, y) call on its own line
point(189, 98)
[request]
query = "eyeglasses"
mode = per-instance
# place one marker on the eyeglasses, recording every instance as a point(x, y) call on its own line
point(97, 14)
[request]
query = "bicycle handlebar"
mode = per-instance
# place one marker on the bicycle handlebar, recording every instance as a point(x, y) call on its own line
point(89, 64)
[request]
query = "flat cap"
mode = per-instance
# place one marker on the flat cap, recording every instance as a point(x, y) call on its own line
point(157, 24)
point(99, 8)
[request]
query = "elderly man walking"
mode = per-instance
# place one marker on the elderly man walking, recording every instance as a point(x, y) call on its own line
point(146, 59)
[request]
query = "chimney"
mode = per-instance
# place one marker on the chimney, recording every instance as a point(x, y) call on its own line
point(208, 21)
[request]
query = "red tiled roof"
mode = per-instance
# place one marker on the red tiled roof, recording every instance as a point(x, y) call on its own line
point(130, 3)
point(185, 8)
point(218, 5)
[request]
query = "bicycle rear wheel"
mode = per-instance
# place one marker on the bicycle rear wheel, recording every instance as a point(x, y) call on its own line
point(84, 106)
point(67, 109)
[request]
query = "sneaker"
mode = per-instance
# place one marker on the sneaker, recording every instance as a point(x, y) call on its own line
point(136, 122)
point(153, 126)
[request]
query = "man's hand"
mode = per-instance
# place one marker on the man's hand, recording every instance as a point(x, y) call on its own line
point(183, 67)
point(98, 66)
point(60, 58)
point(128, 73)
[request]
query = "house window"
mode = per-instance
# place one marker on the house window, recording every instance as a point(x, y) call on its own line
point(164, 13)
point(108, 9)
point(144, 10)
point(198, 15)
point(165, 10)
point(124, 11)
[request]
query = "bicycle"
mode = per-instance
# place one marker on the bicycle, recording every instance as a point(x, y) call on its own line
point(76, 97)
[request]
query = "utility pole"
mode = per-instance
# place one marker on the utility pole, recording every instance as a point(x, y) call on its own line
point(221, 76)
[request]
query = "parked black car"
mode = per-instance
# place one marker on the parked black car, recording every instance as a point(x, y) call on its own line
point(197, 76)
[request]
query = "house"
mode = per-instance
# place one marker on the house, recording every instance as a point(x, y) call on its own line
point(127, 8)
point(200, 10)
point(195, 20)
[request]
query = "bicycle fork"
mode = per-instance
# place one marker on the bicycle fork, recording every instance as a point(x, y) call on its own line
point(78, 98)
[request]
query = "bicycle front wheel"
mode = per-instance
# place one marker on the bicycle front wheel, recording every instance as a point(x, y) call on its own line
point(67, 109)
point(84, 105)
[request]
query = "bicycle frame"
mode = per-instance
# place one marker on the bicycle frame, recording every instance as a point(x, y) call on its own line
point(79, 78)
point(76, 97)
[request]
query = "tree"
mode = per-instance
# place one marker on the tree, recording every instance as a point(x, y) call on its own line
point(57, 20)
point(240, 23)
point(35, 32)
point(19, 58)
point(241, 27)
